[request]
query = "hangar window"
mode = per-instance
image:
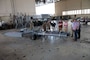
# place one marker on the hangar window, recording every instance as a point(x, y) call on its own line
point(64, 13)
point(74, 12)
point(86, 11)
point(78, 11)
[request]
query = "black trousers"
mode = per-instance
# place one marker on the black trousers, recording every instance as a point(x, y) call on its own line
point(79, 33)
point(75, 32)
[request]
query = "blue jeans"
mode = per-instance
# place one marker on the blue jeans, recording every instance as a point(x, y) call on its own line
point(75, 34)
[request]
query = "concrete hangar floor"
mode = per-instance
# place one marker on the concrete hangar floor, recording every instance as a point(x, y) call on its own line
point(22, 48)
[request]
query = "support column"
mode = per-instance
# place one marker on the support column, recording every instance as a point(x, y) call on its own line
point(13, 6)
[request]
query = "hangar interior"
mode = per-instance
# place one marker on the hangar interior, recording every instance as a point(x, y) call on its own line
point(35, 30)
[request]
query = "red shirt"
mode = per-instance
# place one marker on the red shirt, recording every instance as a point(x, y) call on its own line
point(60, 24)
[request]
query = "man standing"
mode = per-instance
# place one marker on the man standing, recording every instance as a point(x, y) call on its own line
point(78, 29)
point(74, 28)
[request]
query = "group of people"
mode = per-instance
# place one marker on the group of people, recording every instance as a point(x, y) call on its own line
point(63, 25)
point(75, 28)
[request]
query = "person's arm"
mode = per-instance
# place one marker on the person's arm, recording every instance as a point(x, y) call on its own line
point(72, 25)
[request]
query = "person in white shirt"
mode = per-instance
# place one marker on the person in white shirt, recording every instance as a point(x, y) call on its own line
point(71, 28)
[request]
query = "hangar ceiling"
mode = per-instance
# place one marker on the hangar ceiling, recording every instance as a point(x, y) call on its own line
point(39, 2)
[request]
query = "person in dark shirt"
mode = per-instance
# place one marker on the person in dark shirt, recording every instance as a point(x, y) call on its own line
point(60, 25)
point(79, 29)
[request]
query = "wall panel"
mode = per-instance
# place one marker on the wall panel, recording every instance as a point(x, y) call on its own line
point(14, 6)
point(5, 7)
point(25, 6)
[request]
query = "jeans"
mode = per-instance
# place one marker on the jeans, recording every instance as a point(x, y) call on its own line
point(75, 34)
